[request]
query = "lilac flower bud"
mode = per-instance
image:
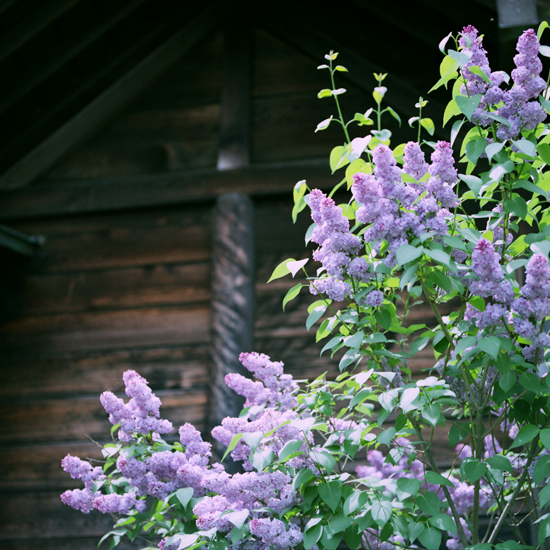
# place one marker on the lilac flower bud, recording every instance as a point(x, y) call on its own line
point(375, 298)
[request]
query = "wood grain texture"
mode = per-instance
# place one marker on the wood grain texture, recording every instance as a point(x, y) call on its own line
point(118, 288)
point(232, 299)
point(42, 376)
point(107, 330)
point(75, 418)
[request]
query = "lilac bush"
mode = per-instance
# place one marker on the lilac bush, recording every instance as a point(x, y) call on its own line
point(321, 462)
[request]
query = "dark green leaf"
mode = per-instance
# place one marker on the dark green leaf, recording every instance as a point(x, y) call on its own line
point(311, 536)
point(472, 469)
point(429, 503)
point(525, 435)
point(430, 537)
point(437, 479)
point(542, 469)
point(331, 493)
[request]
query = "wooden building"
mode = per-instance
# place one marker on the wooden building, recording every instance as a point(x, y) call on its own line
point(127, 129)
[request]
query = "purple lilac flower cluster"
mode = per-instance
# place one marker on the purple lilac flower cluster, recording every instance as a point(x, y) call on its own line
point(140, 414)
point(397, 211)
point(525, 313)
point(519, 105)
point(394, 211)
point(161, 473)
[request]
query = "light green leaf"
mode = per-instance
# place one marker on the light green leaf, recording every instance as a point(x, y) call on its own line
point(281, 270)
point(409, 395)
point(407, 487)
point(289, 448)
point(381, 512)
point(315, 315)
point(407, 253)
point(232, 444)
point(291, 294)
point(500, 462)
point(468, 105)
point(324, 459)
point(428, 125)
point(337, 158)
point(238, 518)
point(443, 522)
point(324, 124)
point(432, 413)
point(473, 182)
point(526, 147)
point(437, 479)
point(490, 345)
point(492, 149)
point(184, 495)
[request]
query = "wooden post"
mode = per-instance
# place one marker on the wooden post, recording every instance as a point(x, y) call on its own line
point(234, 149)
point(232, 301)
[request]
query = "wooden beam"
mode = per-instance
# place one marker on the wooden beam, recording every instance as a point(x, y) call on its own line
point(32, 25)
point(19, 242)
point(88, 121)
point(30, 78)
point(234, 149)
point(103, 195)
point(232, 305)
point(401, 95)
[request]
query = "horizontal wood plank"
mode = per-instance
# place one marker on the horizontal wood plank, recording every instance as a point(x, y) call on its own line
point(123, 288)
point(40, 376)
point(76, 418)
point(179, 187)
point(108, 330)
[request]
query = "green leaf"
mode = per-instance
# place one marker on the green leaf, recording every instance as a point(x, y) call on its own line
point(337, 159)
point(304, 475)
point(525, 435)
point(415, 530)
point(311, 536)
point(429, 503)
point(324, 124)
point(477, 70)
point(331, 493)
point(541, 28)
point(354, 341)
point(428, 125)
point(490, 345)
point(542, 469)
point(460, 57)
point(407, 276)
point(232, 444)
point(443, 43)
point(383, 318)
point(407, 253)
point(338, 524)
point(289, 448)
point(530, 382)
point(407, 487)
point(324, 459)
point(238, 518)
point(517, 206)
point(381, 512)
point(262, 459)
point(418, 345)
point(500, 170)
point(386, 437)
point(360, 397)
point(457, 125)
point(474, 149)
point(507, 381)
point(315, 315)
point(545, 438)
point(354, 502)
point(324, 93)
point(451, 110)
point(544, 496)
point(472, 469)
point(468, 105)
point(330, 541)
point(437, 479)
point(500, 462)
point(394, 114)
point(432, 414)
point(291, 294)
point(492, 149)
point(430, 537)
point(544, 152)
point(443, 522)
point(440, 257)
point(352, 537)
point(184, 495)
point(526, 147)
point(407, 398)
point(281, 270)
point(473, 182)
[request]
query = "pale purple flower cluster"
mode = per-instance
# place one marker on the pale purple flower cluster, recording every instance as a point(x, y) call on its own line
point(338, 245)
point(393, 209)
point(519, 105)
point(141, 414)
point(275, 535)
point(273, 387)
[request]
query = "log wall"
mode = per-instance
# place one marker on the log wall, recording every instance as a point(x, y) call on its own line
point(128, 287)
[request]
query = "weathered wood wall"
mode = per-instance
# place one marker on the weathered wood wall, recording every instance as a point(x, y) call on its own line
point(129, 287)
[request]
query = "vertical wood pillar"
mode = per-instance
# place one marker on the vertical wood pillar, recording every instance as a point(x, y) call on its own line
point(234, 148)
point(232, 300)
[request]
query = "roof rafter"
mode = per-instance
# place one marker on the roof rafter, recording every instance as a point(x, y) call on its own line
point(90, 119)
